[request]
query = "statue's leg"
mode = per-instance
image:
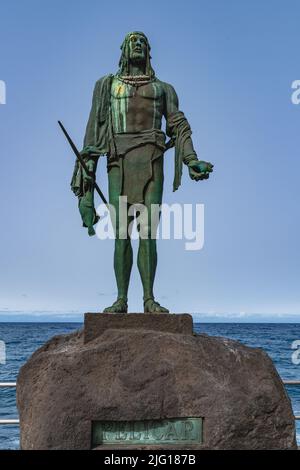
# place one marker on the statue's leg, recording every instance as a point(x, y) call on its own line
point(147, 253)
point(123, 248)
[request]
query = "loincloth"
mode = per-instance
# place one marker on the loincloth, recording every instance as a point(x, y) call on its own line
point(135, 155)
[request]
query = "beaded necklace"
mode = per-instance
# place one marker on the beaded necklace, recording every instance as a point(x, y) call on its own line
point(135, 80)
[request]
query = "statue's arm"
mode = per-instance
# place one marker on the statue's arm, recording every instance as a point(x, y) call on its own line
point(175, 119)
point(89, 151)
point(92, 129)
point(180, 132)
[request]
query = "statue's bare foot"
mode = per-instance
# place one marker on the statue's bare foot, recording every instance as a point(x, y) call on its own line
point(119, 306)
point(151, 306)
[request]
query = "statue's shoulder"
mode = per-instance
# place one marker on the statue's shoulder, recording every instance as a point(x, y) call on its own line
point(105, 80)
point(167, 87)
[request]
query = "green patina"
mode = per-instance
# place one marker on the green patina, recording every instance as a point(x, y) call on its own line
point(125, 124)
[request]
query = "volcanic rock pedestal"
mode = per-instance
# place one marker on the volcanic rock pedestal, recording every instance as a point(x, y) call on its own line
point(147, 381)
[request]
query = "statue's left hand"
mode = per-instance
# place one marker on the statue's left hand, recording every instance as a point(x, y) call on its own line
point(89, 178)
point(200, 170)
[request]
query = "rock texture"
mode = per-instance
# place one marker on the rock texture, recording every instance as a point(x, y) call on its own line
point(132, 374)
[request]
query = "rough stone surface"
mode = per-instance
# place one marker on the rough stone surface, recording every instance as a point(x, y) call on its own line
point(132, 374)
point(96, 323)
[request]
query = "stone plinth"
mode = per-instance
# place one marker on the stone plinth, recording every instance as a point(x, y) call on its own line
point(96, 323)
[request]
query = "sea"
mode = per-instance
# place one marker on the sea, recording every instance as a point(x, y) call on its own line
point(279, 340)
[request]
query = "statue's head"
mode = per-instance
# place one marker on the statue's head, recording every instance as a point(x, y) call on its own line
point(135, 50)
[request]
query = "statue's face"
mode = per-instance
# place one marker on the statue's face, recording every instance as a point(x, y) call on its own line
point(137, 48)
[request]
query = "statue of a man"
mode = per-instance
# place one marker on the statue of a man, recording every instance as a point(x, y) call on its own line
point(125, 124)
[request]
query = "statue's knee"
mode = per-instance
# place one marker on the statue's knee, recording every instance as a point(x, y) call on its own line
point(145, 231)
point(121, 232)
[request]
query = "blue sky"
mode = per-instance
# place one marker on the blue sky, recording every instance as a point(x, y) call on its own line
point(232, 64)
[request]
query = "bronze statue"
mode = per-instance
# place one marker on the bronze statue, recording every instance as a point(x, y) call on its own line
point(125, 124)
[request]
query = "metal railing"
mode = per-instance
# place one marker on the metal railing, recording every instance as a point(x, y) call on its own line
point(16, 421)
point(9, 385)
point(292, 382)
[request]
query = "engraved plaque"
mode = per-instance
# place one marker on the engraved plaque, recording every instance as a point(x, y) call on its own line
point(166, 431)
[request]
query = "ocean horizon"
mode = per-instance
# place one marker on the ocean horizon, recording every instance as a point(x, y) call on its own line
point(42, 316)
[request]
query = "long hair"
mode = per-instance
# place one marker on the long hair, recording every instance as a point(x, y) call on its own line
point(124, 59)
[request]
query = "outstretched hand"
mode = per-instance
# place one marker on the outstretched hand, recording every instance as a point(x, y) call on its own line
point(200, 170)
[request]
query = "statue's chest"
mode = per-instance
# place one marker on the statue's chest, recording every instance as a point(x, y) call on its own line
point(123, 91)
